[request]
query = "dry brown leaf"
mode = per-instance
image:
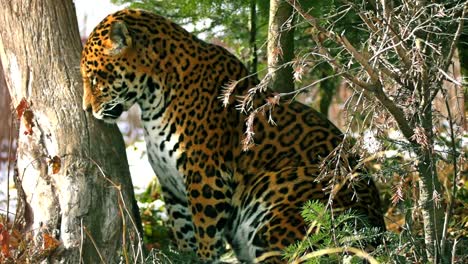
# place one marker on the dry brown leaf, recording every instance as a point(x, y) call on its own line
point(56, 164)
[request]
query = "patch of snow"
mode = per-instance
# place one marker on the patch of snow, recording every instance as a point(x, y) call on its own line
point(140, 169)
point(371, 143)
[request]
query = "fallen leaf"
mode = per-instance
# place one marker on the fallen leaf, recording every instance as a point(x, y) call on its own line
point(50, 242)
point(28, 121)
point(22, 106)
point(5, 242)
point(56, 164)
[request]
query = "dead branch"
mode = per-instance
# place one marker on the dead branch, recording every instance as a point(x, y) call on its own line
point(374, 86)
point(453, 45)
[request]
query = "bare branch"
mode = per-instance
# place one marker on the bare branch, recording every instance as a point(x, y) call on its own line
point(453, 45)
point(310, 85)
point(398, 44)
point(395, 111)
point(362, 59)
point(374, 86)
point(456, 174)
point(338, 67)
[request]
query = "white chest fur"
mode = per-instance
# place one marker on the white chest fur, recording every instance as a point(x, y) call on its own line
point(163, 152)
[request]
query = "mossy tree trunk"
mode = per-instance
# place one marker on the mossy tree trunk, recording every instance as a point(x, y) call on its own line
point(75, 203)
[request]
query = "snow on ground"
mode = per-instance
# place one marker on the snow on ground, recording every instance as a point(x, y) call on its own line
point(140, 169)
point(5, 185)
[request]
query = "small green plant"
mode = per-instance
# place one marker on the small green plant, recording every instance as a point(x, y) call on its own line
point(156, 235)
point(170, 255)
point(153, 215)
point(329, 234)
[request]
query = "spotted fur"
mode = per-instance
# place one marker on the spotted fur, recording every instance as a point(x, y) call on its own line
point(215, 192)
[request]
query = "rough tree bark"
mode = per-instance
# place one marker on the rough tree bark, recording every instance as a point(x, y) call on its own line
point(40, 51)
point(280, 46)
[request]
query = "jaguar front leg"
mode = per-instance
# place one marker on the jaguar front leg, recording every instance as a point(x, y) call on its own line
point(180, 223)
point(209, 201)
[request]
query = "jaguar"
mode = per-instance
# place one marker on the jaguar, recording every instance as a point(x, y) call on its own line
point(216, 191)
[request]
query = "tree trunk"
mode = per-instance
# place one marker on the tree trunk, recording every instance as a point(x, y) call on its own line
point(5, 120)
point(253, 61)
point(280, 46)
point(77, 203)
point(430, 193)
point(463, 55)
point(432, 213)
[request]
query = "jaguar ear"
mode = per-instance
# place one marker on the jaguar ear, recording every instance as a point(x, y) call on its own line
point(119, 37)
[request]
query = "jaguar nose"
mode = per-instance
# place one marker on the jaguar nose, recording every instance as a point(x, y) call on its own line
point(87, 98)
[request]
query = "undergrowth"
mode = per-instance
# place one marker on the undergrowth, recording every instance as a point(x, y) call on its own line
point(345, 233)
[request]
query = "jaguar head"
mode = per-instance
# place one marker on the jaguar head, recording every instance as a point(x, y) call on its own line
point(110, 79)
